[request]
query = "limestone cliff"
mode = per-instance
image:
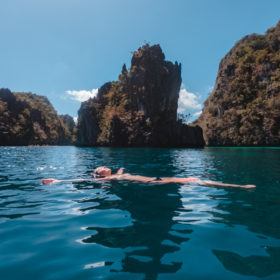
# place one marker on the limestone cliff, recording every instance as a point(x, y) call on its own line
point(140, 109)
point(30, 119)
point(70, 129)
point(244, 107)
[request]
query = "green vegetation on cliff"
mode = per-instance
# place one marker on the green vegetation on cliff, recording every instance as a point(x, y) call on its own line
point(140, 109)
point(244, 107)
point(30, 119)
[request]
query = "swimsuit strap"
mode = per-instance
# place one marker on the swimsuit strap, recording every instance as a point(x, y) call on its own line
point(156, 179)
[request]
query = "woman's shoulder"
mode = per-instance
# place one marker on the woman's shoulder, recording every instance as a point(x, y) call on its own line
point(120, 176)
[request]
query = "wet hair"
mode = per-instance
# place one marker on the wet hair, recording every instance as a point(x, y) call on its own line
point(96, 171)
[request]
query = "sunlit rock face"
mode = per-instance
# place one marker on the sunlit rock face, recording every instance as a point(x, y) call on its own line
point(30, 119)
point(140, 109)
point(244, 107)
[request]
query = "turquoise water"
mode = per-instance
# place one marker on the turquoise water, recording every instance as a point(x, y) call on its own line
point(122, 230)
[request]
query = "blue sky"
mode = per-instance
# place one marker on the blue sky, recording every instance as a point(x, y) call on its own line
point(54, 47)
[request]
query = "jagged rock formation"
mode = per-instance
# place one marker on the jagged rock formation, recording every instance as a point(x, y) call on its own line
point(69, 127)
point(244, 107)
point(140, 109)
point(30, 119)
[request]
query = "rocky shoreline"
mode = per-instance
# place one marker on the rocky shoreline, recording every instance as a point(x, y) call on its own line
point(30, 119)
point(140, 108)
point(244, 106)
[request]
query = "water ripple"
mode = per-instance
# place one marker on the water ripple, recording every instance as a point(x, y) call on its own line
point(122, 230)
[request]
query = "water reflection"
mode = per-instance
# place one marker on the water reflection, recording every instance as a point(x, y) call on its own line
point(260, 266)
point(151, 235)
point(258, 210)
point(128, 228)
point(161, 216)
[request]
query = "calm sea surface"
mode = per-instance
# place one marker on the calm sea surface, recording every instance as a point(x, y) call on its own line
point(121, 230)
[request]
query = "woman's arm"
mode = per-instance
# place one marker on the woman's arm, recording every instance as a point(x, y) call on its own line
point(220, 184)
point(51, 181)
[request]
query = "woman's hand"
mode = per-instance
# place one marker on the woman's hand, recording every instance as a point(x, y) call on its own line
point(248, 186)
point(50, 181)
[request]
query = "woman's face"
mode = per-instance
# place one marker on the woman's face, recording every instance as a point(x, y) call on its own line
point(103, 171)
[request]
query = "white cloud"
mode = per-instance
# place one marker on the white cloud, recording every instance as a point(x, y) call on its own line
point(82, 95)
point(188, 102)
point(197, 114)
point(210, 89)
point(75, 119)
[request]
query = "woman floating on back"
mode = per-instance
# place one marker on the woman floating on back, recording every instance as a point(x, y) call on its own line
point(104, 173)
